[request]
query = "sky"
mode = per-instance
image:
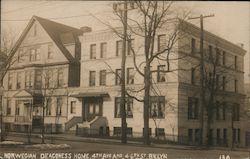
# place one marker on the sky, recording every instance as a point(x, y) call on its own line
point(231, 20)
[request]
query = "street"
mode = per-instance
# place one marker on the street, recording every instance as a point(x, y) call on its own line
point(80, 147)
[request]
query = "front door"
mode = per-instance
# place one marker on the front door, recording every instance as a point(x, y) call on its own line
point(92, 107)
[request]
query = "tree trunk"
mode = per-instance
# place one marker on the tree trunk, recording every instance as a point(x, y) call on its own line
point(43, 127)
point(146, 104)
point(123, 63)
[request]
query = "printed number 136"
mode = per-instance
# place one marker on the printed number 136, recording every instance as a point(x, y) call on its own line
point(224, 157)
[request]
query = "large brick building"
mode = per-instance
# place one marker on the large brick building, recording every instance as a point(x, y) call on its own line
point(175, 100)
point(93, 100)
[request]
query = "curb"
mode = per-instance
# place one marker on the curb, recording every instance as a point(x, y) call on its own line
point(129, 143)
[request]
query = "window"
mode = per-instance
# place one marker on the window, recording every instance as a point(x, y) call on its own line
point(162, 43)
point(102, 77)
point(103, 50)
point(18, 80)
point(18, 104)
point(211, 138)
point(119, 47)
point(224, 83)
point(118, 76)
point(218, 58)
point(236, 85)
point(224, 58)
point(37, 57)
point(8, 107)
point(10, 80)
point(159, 132)
point(131, 46)
point(38, 77)
point(73, 107)
point(218, 115)
point(118, 131)
point(197, 134)
point(130, 75)
point(60, 81)
point(149, 131)
point(190, 135)
point(236, 135)
point(91, 108)
point(34, 54)
point(225, 136)
point(97, 108)
point(218, 138)
point(235, 62)
point(59, 106)
point(29, 79)
point(92, 78)
point(236, 112)
point(157, 106)
point(192, 108)
point(49, 79)
point(193, 43)
point(193, 75)
point(128, 107)
point(93, 51)
point(161, 75)
point(49, 106)
point(94, 109)
point(20, 56)
point(50, 51)
point(129, 131)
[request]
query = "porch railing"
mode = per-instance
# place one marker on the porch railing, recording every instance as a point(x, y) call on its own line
point(72, 122)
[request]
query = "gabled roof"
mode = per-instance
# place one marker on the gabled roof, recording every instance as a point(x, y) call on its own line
point(54, 30)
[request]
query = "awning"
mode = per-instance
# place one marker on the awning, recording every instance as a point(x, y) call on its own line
point(90, 94)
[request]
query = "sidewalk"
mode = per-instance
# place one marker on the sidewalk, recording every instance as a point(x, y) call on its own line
point(73, 137)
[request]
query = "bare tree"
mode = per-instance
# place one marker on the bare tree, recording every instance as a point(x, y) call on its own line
point(8, 39)
point(151, 19)
point(48, 90)
point(7, 43)
point(216, 77)
point(157, 16)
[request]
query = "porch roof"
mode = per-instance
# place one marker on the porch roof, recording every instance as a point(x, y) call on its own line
point(90, 94)
point(26, 94)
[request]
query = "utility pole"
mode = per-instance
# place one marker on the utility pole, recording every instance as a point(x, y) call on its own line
point(202, 90)
point(123, 8)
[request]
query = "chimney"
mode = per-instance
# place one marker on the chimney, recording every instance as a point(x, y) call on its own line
point(241, 45)
point(86, 29)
